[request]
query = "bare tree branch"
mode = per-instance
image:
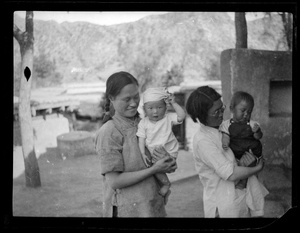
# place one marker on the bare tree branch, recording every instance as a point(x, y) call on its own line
point(29, 22)
point(18, 34)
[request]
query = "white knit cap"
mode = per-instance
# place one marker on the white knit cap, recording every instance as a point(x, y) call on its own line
point(155, 94)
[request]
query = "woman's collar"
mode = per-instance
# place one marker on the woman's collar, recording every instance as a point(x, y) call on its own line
point(208, 128)
point(125, 121)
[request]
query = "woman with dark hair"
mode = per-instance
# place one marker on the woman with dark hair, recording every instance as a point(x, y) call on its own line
point(130, 189)
point(217, 168)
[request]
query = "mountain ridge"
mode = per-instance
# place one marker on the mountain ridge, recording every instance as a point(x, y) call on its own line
point(188, 42)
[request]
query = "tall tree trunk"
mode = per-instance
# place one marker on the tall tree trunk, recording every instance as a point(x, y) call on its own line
point(26, 41)
point(241, 30)
point(288, 28)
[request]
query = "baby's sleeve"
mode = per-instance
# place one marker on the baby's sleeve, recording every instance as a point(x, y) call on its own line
point(224, 127)
point(141, 132)
point(172, 116)
point(109, 147)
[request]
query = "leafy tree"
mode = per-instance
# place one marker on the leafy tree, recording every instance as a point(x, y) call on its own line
point(42, 66)
point(143, 70)
point(145, 64)
point(287, 20)
point(213, 73)
point(241, 29)
point(45, 73)
point(173, 77)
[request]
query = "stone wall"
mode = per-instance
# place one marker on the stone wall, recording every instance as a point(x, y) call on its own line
point(267, 76)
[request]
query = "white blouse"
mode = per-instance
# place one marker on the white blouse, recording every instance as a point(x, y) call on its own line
point(214, 165)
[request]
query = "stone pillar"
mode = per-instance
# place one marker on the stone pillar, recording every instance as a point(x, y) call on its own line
point(267, 76)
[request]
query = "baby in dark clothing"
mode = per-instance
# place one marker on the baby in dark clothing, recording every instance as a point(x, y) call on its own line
point(240, 133)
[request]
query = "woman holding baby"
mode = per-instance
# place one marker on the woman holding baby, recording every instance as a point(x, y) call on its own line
point(132, 187)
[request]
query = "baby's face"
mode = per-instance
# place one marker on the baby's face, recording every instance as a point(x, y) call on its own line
point(242, 112)
point(155, 110)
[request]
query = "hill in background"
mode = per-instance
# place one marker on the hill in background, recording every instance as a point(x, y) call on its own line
point(188, 44)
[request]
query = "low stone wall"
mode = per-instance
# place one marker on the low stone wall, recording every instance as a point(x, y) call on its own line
point(75, 144)
point(45, 132)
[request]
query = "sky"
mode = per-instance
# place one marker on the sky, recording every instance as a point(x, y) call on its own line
point(104, 17)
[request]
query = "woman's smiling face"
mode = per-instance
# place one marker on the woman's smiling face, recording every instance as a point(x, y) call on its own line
point(127, 101)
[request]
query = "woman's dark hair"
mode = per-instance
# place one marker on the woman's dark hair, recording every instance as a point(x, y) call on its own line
point(200, 101)
point(114, 85)
point(239, 96)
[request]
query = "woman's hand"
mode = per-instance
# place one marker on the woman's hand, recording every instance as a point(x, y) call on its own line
point(247, 159)
point(261, 163)
point(159, 153)
point(165, 165)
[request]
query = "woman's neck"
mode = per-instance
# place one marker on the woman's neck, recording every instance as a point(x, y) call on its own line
point(124, 117)
point(210, 126)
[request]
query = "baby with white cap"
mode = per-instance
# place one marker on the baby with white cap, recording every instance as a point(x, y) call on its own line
point(155, 129)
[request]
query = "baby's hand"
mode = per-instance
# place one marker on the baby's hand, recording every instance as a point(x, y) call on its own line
point(225, 142)
point(147, 160)
point(255, 128)
point(225, 146)
point(170, 99)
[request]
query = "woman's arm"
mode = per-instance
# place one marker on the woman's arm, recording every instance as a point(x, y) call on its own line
point(118, 180)
point(214, 157)
point(240, 173)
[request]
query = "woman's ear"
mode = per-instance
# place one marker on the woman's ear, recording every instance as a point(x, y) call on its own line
point(110, 98)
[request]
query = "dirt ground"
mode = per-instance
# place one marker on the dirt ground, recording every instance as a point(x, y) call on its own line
point(72, 188)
